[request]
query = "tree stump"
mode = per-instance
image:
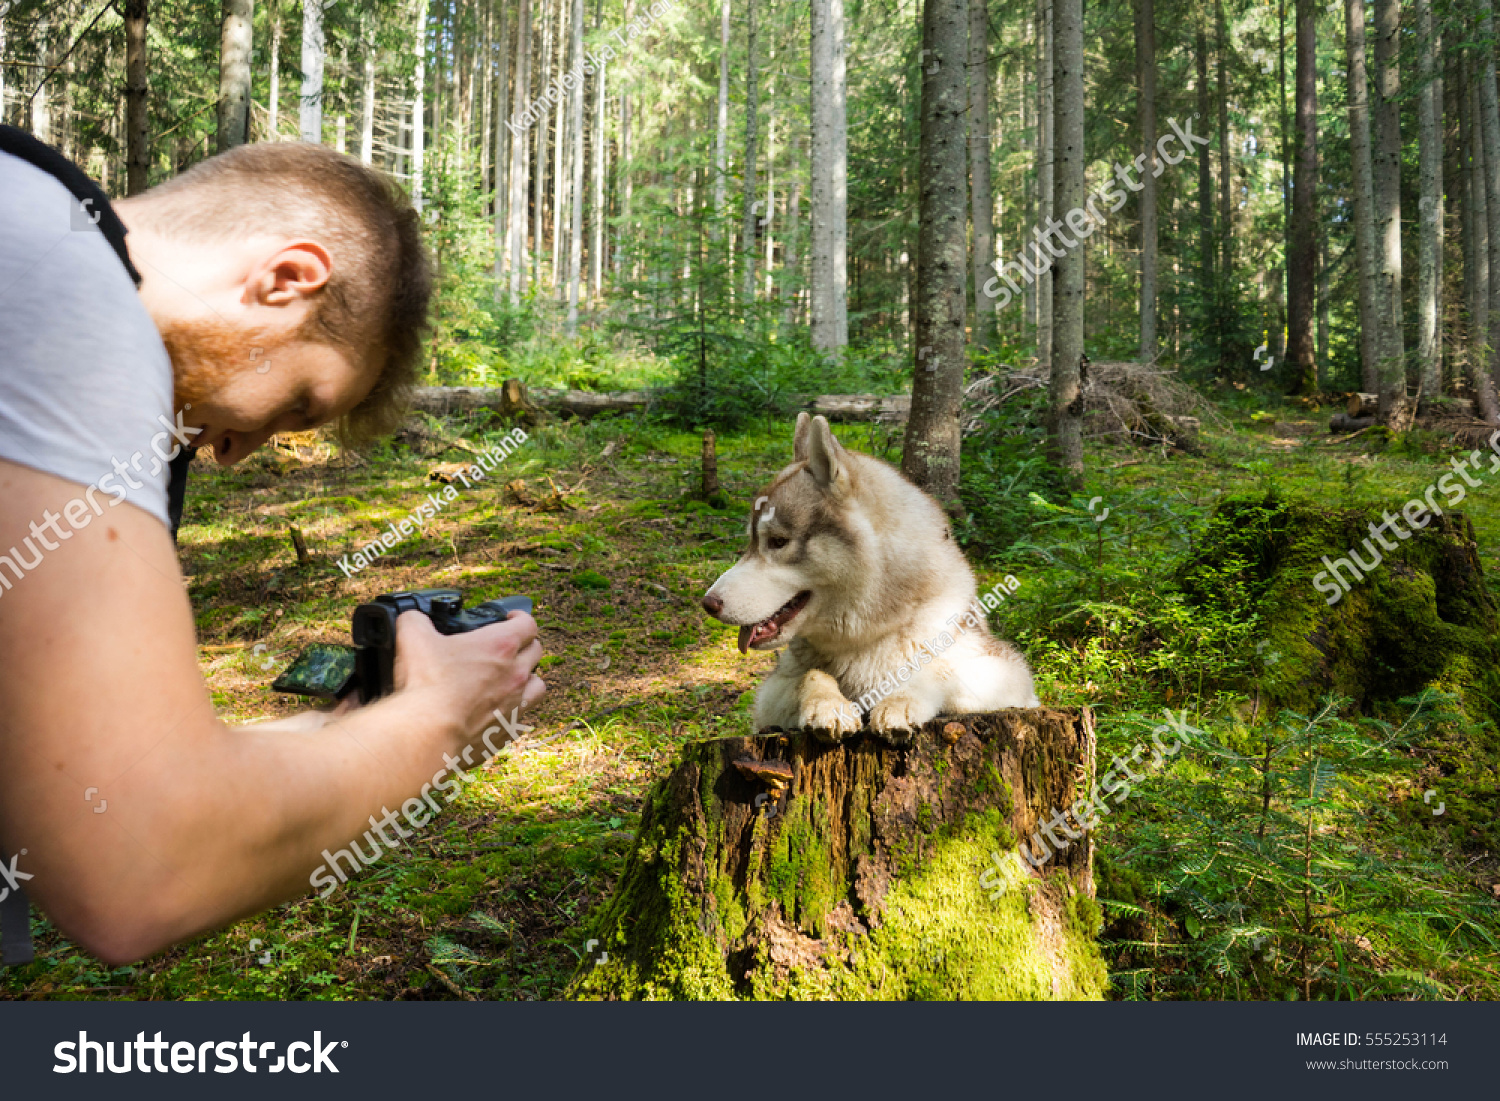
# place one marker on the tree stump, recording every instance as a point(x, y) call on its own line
point(780, 866)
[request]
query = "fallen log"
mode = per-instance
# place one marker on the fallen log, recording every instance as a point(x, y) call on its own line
point(1362, 405)
point(1343, 422)
point(781, 866)
point(858, 407)
point(514, 399)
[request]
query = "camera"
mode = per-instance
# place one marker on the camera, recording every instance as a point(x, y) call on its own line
point(331, 672)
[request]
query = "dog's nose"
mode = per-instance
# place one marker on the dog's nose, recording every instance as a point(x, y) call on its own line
point(712, 604)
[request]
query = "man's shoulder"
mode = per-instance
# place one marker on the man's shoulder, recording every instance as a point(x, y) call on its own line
point(47, 234)
point(84, 377)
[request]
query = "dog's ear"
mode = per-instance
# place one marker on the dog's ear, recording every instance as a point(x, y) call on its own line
point(799, 438)
point(824, 453)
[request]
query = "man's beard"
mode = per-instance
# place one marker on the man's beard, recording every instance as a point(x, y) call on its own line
point(209, 353)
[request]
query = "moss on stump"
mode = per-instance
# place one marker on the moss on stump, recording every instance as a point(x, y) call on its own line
point(1424, 617)
point(877, 871)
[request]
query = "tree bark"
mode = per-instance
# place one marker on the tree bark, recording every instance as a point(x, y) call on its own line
point(1477, 207)
point(1387, 182)
point(930, 457)
point(516, 203)
point(1207, 249)
point(752, 134)
point(234, 73)
point(560, 154)
point(137, 125)
point(1302, 243)
point(830, 181)
point(1489, 117)
point(418, 110)
point(310, 117)
point(1226, 172)
point(721, 131)
point(273, 105)
point(367, 113)
point(1068, 267)
point(1046, 180)
point(781, 867)
point(1429, 206)
point(982, 198)
point(575, 124)
point(1371, 319)
point(596, 250)
point(1145, 68)
point(504, 151)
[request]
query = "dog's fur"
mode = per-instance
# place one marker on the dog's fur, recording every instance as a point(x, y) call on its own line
point(883, 574)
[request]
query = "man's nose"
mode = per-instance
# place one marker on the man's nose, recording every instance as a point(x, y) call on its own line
point(713, 604)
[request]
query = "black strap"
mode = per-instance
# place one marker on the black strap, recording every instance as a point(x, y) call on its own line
point(15, 929)
point(95, 203)
point(91, 197)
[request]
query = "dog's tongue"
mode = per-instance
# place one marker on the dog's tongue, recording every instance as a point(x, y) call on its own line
point(765, 629)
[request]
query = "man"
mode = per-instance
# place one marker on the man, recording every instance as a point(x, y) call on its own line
point(282, 287)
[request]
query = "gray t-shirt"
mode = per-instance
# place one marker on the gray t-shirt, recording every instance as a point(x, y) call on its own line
point(85, 382)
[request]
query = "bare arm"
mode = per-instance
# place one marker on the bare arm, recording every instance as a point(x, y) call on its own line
point(100, 688)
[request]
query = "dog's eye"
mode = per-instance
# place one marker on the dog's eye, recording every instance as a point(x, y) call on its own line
point(776, 542)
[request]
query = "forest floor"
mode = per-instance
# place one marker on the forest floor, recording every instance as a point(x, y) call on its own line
point(491, 900)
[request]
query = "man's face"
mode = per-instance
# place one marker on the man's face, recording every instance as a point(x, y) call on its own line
point(244, 385)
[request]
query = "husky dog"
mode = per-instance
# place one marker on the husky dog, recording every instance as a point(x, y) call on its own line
point(854, 570)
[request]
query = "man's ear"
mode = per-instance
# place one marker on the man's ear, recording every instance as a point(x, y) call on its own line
point(799, 438)
point(824, 453)
point(298, 269)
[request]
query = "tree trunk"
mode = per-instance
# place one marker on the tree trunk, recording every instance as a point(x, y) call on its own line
point(1068, 268)
point(1145, 68)
point(931, 454)
point(1429, 206)
point(367, 114)
point(1371, 320)
point(752, 121)
point(721, 133)
point(791, 276)
point(1226, 172)
point(1302, 243)
point(1206, 245)
point(273, 105)
point(829, 169)
point(516, 204)
point(418, 110)
point(1387, 180)
point(137, 125)
point(504, 151)
point(780, 867)
point(1046, 178)
point(234, 73)
point(310, 117)
point(560, 179)
point(982, 198)
point(1489, 118)
point(575, 229)
point(596, 250)
point(1476, 256)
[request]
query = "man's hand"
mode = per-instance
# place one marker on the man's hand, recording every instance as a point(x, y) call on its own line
point(467, 678)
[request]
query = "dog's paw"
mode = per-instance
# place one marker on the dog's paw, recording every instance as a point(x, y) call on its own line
point(897, 716)
point(831, 719)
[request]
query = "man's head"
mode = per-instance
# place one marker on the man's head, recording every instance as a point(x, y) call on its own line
point(290, 287)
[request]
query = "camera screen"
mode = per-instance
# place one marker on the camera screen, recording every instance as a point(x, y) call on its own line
point(323, 670)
